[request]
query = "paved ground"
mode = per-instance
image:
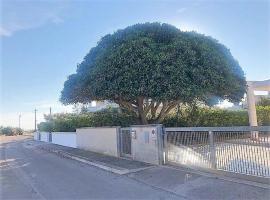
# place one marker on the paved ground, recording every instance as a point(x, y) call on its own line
point(109, 161)
point(28, 172)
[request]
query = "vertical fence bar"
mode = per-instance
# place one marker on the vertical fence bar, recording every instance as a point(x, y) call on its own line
point(165, 147)
point(118, 136)
point(212, 150)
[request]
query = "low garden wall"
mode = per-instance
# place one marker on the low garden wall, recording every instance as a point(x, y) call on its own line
point(68, 139)
point(36, 134)
point(44, 136)
point(99, 139)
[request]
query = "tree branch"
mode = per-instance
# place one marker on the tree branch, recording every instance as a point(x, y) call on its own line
point(154, 109)
point(141, 112)
point(127, 105)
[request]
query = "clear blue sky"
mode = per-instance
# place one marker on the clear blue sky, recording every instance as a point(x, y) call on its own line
point(42, 41)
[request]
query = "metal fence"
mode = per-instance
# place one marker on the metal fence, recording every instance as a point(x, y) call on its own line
point(125, 142)
point(244, 150)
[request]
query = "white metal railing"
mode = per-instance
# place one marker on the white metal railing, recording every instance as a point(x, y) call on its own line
point(244, 150)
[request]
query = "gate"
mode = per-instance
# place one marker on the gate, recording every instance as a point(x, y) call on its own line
point(50, 137)
point(125, 142)
point(243, 150)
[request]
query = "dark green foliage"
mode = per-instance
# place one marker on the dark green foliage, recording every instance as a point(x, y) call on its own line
point(69, 122)
point(153, 65)
point(209, 117)
point(187, 117)
point(10, 131)
point(216, 117)
point(263, 115)
point(264, 102)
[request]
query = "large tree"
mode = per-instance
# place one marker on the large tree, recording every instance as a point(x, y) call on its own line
point(150, 68)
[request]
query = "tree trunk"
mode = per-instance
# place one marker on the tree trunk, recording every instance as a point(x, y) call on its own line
point(143, 108)
point(142, 114)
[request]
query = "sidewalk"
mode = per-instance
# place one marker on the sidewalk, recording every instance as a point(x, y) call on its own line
point(184, 183)
point(109, 163)
point(194, 186)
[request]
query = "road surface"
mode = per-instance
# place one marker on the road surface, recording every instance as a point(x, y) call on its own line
point(30, 173)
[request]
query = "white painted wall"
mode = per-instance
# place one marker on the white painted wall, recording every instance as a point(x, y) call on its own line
point(98, 139)
point(44, 136)
point(36, 135)
point(68, 139)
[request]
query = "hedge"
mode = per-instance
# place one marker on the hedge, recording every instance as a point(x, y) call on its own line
point(10, 131)
point(69, 122)
point(197, 117)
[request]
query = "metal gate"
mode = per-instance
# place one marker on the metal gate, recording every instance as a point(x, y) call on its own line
point(231, 149)
point(50, 137)
point(125, 142)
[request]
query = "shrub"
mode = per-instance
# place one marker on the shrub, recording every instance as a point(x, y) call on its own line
point(69, 122)
point(10, 131)
point(217, 117)
point(209, 117)
point(17, 131)
point(186, 117)
point(6, 131)
point(263, 115)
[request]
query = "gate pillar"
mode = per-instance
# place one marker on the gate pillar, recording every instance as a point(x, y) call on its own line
point(147, 143)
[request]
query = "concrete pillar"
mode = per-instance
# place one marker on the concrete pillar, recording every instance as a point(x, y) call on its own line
point(251, 105)
point(147, 143)
point(252, 115)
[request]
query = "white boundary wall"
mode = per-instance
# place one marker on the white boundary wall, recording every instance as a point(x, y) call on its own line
point(99, 139)
point(68, 139)
point(36, 135)
point(44, 136)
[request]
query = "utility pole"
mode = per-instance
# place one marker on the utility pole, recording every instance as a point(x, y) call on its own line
point(20, 120)
point(35, 119)
point(50, 111)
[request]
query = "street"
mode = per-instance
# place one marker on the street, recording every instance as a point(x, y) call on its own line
point(29, 173)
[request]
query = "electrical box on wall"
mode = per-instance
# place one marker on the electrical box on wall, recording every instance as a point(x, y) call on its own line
point(147, 143)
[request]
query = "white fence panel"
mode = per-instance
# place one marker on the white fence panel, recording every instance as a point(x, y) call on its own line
point(68, 139)
point(44, 136)
point(36, 135)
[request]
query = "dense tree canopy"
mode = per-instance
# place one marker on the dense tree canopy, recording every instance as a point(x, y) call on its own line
point(150, 68)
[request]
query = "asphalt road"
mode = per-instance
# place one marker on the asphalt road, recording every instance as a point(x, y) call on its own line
point(30, 173)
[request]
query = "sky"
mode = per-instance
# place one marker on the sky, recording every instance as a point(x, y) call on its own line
point(42, 41)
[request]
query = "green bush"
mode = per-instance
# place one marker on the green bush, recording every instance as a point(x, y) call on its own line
point(186, 117)
point(263, 115)
point(217, 117)
point(10, 131)
point(209, 117)
point(69, 122)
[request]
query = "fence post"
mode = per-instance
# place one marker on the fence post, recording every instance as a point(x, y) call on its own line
point(165, 148)
point(212, 150)
point(118, 139)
